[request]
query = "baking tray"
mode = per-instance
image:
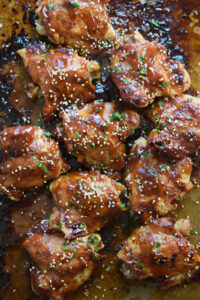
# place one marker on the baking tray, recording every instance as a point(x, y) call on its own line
point(179, 31)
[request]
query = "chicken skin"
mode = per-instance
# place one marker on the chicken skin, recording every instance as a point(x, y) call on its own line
point(95, 134)
point(161, 251)
point(63, 77)
point(142, 71)
point(28, 159)
point(82, 25)
point(156, 184)
point(88, 202)
point(177, 123)
point(61, 266)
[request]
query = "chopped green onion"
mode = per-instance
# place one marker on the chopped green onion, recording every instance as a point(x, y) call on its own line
point(154, 23)
point(75, 4)
point(62, 224)
point(48, 134)
point(165, 83)
point(51, 5)
point(158, 244)
point(41, 166)
point(78, 133)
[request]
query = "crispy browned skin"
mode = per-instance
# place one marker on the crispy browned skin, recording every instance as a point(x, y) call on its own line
point(81, 24)
point(88, 201)
point(156, 184)
point(95, 134)
point(142, 71)
point(61, 266)
point(160, 251)
point(63, 76)
point(28, 160)
point(177, 123)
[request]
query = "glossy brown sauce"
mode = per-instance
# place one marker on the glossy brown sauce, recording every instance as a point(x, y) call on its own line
point(179, 31)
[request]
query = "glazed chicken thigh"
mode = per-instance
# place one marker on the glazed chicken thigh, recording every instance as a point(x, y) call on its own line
point(28, 159)
point(96, 134)
point(87, 201)
point(83, 25)
point(156, 184)
point(160, 250)
point(61, 266)
point(63, 77)
point(177, 123)
point(142, 71)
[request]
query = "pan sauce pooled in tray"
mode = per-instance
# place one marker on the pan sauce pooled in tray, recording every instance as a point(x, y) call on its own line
point(99, 144)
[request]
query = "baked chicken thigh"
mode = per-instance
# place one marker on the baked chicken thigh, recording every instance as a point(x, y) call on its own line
point(177, 123)
point(156, 184)
point(63, 77)
point(87, 201)
point(61, 266)
point(83, 25)
point(96, 133)
point(142, 71)
point(161, 251)
point(28, 159)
